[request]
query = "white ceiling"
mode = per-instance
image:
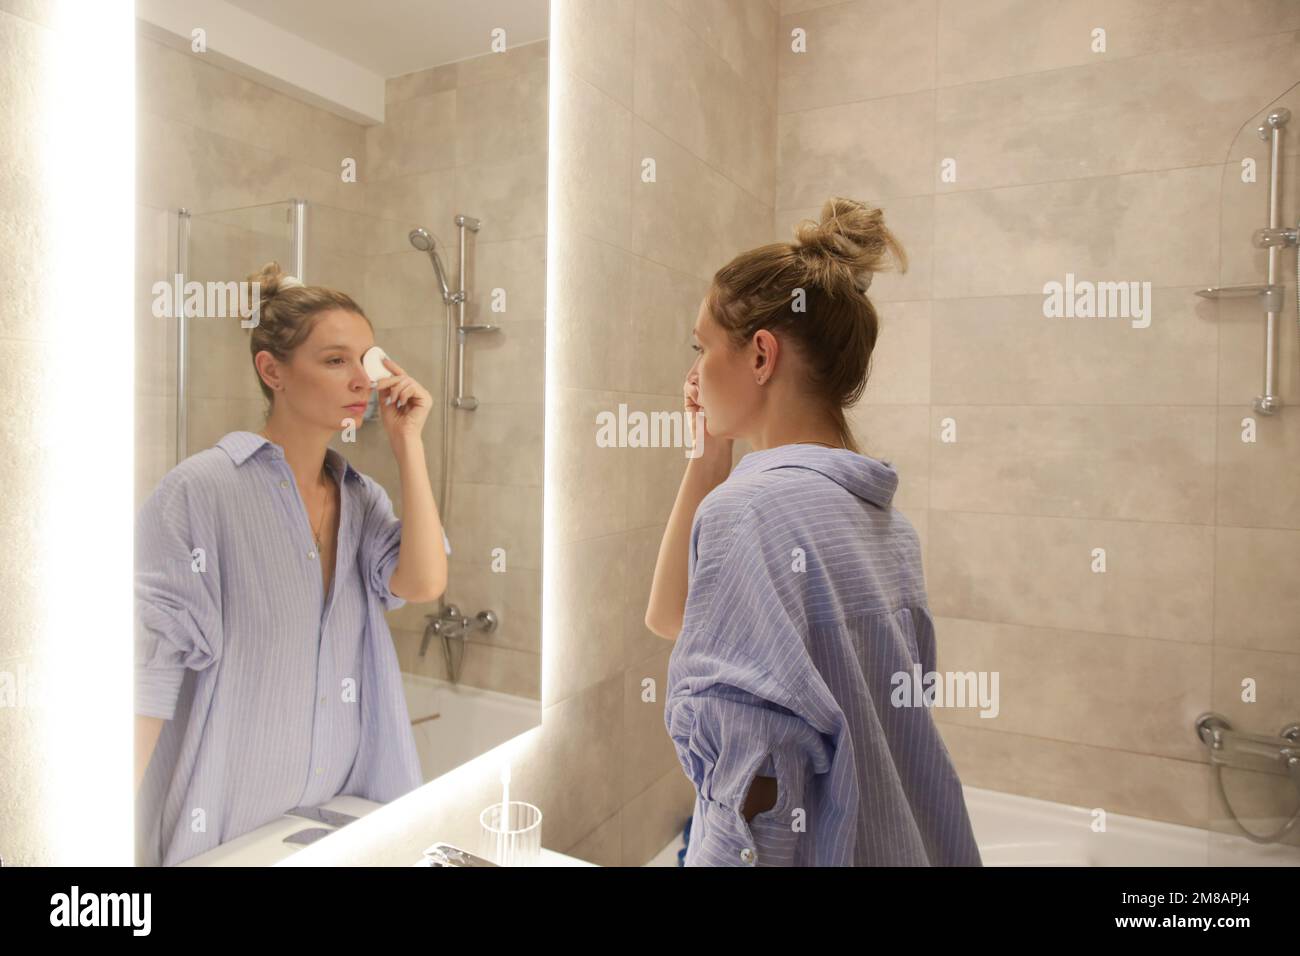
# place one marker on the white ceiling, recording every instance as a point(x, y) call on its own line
point(330, 53)
point(392, 37)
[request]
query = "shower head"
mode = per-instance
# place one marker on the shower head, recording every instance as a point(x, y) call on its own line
point(421, 239)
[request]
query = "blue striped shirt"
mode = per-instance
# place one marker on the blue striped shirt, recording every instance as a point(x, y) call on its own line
point(806, 597)
point(275, 694)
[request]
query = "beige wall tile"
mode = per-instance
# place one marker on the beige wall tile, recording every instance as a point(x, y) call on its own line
point(1111, 116)
point(898, 35)
point(1037, 571)
point(595, 39)
point(1117, 781)
point(511, 195)
point(648, 751)
point(1002, 350)
point(499, 119)
point(1111, 691)
point(584, 473)
point(900, 362)
point(590, 578)
point(742, 33)
point(1256, 481)
point(988, 38)
point(1140, 463)
point(1256, 603)
point(662, 305)
point(899, 434)
point(883, 148)
point(484, 516)
point(731, 129)
point(691, 218)
point(1140, 227)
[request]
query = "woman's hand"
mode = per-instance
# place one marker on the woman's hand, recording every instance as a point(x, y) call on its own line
point(707, 445)
point(404, 404)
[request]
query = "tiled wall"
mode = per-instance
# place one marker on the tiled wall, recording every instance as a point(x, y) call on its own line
point(1079, 433)
point(1071, 437)
point(634, 261)
point(467, 137)
point(688, 91)
point(470, 138)
point(1101, 438)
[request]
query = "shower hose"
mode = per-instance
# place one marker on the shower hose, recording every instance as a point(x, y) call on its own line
point(1293, 765)
point(1293, 761)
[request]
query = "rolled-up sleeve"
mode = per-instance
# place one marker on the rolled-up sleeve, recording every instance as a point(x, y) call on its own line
point(381, 544)
point(177, 596)
point(736, 709)
point(725, 738)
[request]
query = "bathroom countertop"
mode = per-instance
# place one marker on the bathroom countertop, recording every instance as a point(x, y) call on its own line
point(265, 846)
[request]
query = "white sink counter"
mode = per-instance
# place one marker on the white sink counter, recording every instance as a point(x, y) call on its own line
point(265, 846)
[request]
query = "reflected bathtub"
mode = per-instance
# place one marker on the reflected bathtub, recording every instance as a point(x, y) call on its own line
point(454, 723)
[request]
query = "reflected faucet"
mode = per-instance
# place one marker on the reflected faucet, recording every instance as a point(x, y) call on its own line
point(451, 625)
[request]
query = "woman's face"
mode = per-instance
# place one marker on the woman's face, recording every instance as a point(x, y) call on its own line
point(325, 384)
point(728, 393)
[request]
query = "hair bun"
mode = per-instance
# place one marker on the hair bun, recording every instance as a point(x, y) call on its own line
point(272, 279)
point(851, 236)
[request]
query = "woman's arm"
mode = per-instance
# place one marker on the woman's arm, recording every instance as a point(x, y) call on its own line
point(147, 732)
point(704, 472)
point(421, 572)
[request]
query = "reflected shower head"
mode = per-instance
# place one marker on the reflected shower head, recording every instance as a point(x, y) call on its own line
point(421, 239)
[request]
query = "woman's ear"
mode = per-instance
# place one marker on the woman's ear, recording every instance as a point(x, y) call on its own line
point(266, 369)
point(766, 348)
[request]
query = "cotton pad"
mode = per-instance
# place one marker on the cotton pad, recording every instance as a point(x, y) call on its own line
point(373, 362)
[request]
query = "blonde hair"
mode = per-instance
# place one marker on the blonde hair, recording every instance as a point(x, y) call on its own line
point(287, 315)
point(831, 261)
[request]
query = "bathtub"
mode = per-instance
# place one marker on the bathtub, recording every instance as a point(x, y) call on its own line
point(1012, 830)
point(1021, 831)
point(470, 721)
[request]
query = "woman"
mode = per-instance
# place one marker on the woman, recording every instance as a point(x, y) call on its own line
point(793, 589)
point(266, 676)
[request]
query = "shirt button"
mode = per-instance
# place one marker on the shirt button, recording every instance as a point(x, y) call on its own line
point(319, 770)
point(284, 484)
point(747, 855)
point(322, 700)
point(312, 555)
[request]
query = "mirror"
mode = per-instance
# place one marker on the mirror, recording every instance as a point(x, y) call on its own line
point(294, 669)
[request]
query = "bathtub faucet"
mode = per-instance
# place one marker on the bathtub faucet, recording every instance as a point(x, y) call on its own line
point(451, 625)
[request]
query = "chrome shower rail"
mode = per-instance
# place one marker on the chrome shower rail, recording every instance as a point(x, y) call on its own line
point(462, 400)
point(1271, 238)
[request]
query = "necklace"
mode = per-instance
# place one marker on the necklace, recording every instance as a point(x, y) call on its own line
point(810, 442)
point(324, 510)
point(324, 504)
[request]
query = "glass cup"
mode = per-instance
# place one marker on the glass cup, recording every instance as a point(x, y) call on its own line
point(516, 841)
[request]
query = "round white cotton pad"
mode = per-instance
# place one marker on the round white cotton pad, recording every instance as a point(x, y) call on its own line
point(373, 362)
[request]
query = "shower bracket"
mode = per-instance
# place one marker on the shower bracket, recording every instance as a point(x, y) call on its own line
point(1270, 296)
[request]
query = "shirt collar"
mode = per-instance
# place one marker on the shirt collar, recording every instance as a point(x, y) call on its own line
point(241, 446)
point(867, 478)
